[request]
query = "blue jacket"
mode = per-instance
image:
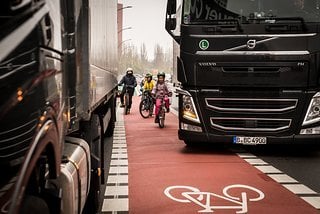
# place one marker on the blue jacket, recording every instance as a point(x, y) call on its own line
point(129, 81)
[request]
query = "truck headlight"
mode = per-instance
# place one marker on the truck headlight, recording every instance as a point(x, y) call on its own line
point(313, 113)
point(189, 111)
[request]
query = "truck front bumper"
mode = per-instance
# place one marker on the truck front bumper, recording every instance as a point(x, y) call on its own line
point(196, 137)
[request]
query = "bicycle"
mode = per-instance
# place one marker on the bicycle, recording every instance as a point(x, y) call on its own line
point(146, 105)
point(162, 111)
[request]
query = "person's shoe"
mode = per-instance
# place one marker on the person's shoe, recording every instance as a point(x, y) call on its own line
point(128, 111)
point(122, 106)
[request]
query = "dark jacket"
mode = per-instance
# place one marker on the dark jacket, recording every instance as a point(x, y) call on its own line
point(129, 81)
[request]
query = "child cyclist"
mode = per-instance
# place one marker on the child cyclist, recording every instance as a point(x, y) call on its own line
point(149, 83)
point(159, 91)
point(147, 89)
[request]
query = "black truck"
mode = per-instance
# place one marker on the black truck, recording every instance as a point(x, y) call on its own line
point(248, 70)
point(58, 69)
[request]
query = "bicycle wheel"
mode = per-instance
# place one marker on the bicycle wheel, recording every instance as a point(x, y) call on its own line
point(161, 117)
point(144, 108)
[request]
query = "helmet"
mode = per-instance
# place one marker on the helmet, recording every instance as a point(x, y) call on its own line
point(161, 73)
point(129, 70)
point(148, 75)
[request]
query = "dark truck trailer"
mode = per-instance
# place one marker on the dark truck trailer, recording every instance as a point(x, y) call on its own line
point(248, 70)
point(58, 69)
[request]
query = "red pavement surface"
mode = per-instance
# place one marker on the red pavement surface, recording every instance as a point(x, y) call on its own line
point(158, 159)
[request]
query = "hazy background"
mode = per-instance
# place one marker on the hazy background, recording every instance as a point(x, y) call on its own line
point(147, 18)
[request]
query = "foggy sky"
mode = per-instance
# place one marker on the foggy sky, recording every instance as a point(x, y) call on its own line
point(147, 18)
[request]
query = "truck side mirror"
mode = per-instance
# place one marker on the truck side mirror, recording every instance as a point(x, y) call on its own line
point(171, 7)
point(171, 23)
point(171, 19)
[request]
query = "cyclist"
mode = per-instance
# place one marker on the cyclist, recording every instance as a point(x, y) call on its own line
point(147, 87)
point(149, 83)
point(130, 82)
point(159, 91)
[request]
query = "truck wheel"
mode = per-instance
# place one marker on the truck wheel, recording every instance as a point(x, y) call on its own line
point(34, 205)
point(93, 200)
point(93, 135)
point(110, 129)
point(189, 143)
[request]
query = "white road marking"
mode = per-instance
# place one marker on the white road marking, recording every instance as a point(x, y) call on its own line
point(117, 204)
point(119, 163)
point(115, 151)
point(268, 169)
point(282, 178)
point(117, 190)
point(314, 201)
point(299, 189)
point(118, 170)
point(246, 155)
point(119, 156)
point(206, 200)
point(117, 179)
point(121, 141)
point(119, 145)
point(288, 182)
point(256, 161)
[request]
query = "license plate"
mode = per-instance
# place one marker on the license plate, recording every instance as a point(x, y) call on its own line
point(249, 140)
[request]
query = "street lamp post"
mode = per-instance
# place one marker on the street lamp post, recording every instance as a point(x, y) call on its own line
point(123, 42)
point(126, 28)
point(122, 8)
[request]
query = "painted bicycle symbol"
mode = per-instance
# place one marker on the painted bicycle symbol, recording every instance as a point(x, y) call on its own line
point(231, 196)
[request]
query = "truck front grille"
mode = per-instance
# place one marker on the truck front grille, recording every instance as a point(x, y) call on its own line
point(263, 116)
point(251, 105)
point(15, 141)
point(250, 124)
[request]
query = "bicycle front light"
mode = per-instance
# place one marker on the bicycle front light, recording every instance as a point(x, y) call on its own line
point(189, 111)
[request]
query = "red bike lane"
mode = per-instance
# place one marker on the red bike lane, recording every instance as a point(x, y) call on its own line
point(165, 176)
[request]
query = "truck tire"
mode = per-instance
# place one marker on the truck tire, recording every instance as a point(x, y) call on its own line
point(189, 143)
point(93, 136)
point(111, 125)
point(34, 205)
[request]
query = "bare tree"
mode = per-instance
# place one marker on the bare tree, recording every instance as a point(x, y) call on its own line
point(158, 56)
point(143, 53)
point(141, 64)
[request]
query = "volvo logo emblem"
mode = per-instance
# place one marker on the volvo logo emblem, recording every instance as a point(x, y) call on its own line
point(251, 44)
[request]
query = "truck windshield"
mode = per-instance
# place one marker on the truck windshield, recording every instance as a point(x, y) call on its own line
point(204, 11)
